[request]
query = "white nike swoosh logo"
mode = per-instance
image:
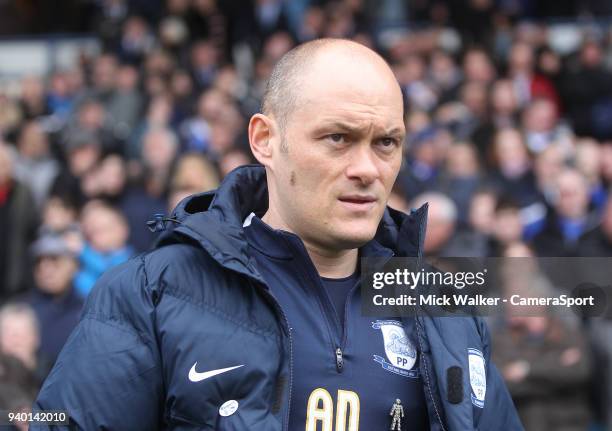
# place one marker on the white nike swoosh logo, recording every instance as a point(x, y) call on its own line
point(194, 376)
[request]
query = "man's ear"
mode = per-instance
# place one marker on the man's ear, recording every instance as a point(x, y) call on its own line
point(262, 133)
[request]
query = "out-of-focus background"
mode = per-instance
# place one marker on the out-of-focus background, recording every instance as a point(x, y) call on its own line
point(112, 111)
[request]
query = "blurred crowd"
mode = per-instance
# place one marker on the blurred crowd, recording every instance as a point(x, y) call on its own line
point(509, 122)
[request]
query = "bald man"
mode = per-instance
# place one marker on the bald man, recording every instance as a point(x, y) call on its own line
point(247, 314)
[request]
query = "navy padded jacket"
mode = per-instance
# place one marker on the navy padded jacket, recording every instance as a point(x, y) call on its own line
point(198, 296)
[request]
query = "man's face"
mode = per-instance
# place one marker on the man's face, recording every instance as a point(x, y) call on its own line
point(344, 151)
point(54, 274)
point(508, 226)
point(573, 196)
point(105, 230)
point(18, 336)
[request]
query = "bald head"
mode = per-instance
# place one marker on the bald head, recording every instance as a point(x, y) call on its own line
point(331, 138)
point(309, 63)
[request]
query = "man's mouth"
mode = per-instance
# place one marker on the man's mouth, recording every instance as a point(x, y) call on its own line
point(358, 202)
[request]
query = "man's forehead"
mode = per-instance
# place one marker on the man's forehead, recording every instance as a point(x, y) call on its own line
point(329, 110)
point(334, 75)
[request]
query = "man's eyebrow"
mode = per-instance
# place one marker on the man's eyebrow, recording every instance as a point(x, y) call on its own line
point(339, 125)
point(351, 128)
point(396, 131)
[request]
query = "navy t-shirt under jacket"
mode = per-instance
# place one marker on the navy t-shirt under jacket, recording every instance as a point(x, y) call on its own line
point(349, 369)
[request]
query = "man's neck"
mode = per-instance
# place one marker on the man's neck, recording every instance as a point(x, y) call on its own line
point(333, 264)
point(328, 263)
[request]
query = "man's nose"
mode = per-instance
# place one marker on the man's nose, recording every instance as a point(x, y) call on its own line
point(362, 165)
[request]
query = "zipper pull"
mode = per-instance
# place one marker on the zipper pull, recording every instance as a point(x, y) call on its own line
point(339, 360)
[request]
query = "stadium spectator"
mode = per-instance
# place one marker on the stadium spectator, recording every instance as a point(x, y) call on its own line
point(507, 227)
point(543, 357)
point(587, 90)
point(424, 160)
point(34, 165)
point(444, 75)
point(82, 151)
point(18, 385)
point(482, 211)
point(478, 67)
point(194, 174)
point(60, 219)
point(547, 166)
point(126, 103)
point(20, 338)
point(588, 162)
point(461, 178)
point(54, 300)
point(528, 84)
point(32, 101)
point(146, 192)
point(18, 222)
point(103, 77)
point(512, 174)
point(60, 96)
point(570, 218)
point(105, 231)
point(136, 40)
point(159, 115)
point(107, 179)
point(232, 159)
point(504, 105)
point(204, 63)
point(598, 242)
point(606, 163)
point(476, 235)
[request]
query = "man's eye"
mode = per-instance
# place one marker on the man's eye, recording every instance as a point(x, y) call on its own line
point(388, 142)
point(336, 137)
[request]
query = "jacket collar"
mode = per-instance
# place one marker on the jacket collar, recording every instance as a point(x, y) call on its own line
point(214, 219)
point(282, 245)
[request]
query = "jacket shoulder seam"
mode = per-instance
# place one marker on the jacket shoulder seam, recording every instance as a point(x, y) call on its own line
point(117, 323)
point(256, 329)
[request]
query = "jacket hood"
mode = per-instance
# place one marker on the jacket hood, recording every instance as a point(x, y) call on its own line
point(214, 220)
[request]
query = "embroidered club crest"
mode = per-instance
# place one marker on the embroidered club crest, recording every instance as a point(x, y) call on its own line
point(478, 377)
point(400, 353)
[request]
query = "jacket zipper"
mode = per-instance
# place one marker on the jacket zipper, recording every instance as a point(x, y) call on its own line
point(339, 360)
point(337, 337)
point(331, 321)
point(347, 308)
point(344, 329)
